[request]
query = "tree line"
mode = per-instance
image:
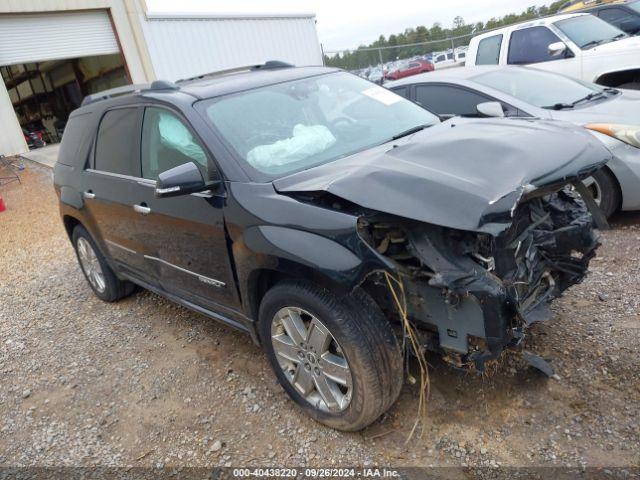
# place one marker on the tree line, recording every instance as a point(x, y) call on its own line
point(401, 42)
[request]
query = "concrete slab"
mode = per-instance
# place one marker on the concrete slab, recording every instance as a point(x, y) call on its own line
point(46, 155)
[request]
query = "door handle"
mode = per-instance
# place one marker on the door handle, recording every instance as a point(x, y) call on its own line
point(89, 194)
point(142, 209)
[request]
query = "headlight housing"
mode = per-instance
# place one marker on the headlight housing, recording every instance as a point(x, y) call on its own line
point(629, 134)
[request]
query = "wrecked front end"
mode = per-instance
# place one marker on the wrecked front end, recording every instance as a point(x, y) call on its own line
point(483, 229)
point(472, 295)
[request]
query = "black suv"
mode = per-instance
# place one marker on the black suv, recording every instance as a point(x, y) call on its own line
point(623, 14)
point(327, 216)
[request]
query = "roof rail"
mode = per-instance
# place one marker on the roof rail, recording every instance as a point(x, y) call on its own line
point(268, 65)
point(156, 85)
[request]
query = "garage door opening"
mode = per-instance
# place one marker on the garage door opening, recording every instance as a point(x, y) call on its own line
point(43, 94)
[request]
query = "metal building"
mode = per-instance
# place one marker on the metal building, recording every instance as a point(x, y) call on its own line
point(54, 52)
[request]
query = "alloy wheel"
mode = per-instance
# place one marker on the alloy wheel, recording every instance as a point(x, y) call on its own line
point(311, 359)
point(91, 265)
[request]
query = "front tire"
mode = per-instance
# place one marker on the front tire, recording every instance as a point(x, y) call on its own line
point(337, 358)
point(99, 275)
point(605, 190)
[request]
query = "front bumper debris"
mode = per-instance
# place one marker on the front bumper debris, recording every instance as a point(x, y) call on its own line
point(475, 294)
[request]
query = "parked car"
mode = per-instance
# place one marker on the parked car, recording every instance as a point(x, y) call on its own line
point(623, 14)
point(573, 6)
point(414, 67)
point(441, 59)
point(612, 115)
point(461, 56)
point(376, 75)
point(283, 201)
point(34, 138)
point(578, 45)
point(449, 58)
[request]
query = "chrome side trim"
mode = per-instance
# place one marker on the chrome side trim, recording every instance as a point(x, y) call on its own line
point(202, 278)
point(144, 182)
point(175, 188)
point(111, 174)
point(121, 247)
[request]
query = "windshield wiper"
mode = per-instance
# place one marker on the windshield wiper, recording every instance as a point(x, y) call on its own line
point(591, 96)
point(562, 106)
point(595, 43)
point(558, 106)
point(592, 43)
point(410, 131)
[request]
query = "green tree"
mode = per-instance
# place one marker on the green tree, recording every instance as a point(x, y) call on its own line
point(402, 45)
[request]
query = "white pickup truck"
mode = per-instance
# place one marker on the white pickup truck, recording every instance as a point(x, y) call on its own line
point(579, 45)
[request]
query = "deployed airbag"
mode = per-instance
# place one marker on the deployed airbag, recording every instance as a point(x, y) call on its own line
point(305, 142)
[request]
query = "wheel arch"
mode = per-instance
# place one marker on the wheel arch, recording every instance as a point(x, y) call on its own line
point(618, 77)
point(261, 280)
point(70, 223)
point(266, 255)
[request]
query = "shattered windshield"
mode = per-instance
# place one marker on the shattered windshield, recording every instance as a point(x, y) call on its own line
point(288, 127)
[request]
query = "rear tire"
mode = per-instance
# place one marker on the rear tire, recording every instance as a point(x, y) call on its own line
point(99, 275)
point(360, 339)
point(606, 191)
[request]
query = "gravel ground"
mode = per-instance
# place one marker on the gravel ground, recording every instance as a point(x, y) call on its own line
point(144, 382)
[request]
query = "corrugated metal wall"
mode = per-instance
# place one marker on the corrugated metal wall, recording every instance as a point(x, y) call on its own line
point(184, 46)
point(125, 16)
point(40, 37)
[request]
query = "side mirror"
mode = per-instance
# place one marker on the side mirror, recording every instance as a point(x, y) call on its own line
point(180, 180)
point(556, 49)
point(490, 109)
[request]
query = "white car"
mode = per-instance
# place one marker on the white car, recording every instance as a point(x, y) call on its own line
point(578, 45)
point(611, 115)
point(447, 59)
point(376, 75)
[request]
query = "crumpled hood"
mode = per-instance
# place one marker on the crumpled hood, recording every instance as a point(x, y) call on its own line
point(464, 173)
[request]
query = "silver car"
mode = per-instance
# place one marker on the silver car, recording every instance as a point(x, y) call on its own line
point(612, 115)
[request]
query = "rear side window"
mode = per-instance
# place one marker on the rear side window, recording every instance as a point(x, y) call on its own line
point(402, 91)
point(73, 137)
point(489, 51)
point(167, 142)
point(117, 145)
point(449, 100)
point(531, 45)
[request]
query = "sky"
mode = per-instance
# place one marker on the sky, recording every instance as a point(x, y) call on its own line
point(344, 24)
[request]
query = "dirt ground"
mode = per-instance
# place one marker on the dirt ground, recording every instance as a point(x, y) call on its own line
point(144, 382)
